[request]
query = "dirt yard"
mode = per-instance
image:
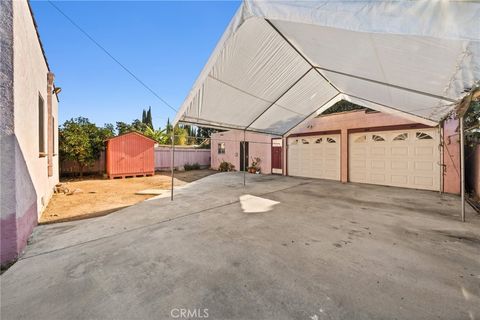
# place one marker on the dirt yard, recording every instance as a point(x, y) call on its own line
point(93, 197)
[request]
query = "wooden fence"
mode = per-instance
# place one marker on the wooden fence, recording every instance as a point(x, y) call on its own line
point(68, 167)
point(182, 156)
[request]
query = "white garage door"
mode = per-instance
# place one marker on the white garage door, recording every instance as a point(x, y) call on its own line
point(407, 158)
point(314, 156)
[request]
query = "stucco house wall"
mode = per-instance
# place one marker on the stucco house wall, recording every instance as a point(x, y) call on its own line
point(259, 146)
point(346, 122)
point(361, 119)
point(27, 180)
point(451, 156)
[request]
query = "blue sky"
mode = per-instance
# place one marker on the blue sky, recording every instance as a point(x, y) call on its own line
point(165, 44)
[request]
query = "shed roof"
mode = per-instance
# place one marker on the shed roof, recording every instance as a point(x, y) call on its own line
point(130, 133)
point(279, 63)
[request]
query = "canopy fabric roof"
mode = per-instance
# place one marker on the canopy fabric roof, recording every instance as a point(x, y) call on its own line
point(279, 63)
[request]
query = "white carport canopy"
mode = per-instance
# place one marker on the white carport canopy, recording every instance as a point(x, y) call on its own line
point(279, 63)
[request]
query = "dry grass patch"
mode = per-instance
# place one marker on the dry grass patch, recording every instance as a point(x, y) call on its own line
point(94, 196)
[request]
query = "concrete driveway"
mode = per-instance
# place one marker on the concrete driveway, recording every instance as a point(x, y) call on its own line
point(280, 248)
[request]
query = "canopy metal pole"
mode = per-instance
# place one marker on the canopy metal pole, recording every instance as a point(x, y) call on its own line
point(462, 166)
point(172, 167)
point(244, 162)
point(440, 147)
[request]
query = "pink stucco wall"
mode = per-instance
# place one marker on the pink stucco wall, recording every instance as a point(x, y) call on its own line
point(451, 157)
point(259, 146)
point(15, 232)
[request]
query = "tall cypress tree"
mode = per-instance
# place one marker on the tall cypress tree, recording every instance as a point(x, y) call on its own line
point(149, 120)
point(144, 116)
point(169, 127)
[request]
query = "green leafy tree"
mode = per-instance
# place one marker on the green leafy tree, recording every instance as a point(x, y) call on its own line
point(136, 125)
point(82, 141)
point(181, 135)
point(110, 127)
point(472, 124)
point(123, 127)
point(139, 126)
point(205, 132)
point(160, 136)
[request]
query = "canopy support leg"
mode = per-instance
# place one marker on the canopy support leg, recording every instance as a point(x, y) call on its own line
point(440, 147)
point(462, 166)
point(244, 162)
point(172, 167)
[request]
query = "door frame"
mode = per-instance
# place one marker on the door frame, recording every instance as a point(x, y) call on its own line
point(281, 156)
point(243, 157)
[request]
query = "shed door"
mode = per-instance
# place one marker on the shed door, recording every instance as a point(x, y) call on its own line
point(407, 158)
point(314, 156)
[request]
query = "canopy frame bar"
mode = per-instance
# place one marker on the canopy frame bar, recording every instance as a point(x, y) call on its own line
point(431, 95)
point(238, 89)
point(280, 97)
point(226, 127)
point(311, 114)
point(301, 55)
point(387, 106)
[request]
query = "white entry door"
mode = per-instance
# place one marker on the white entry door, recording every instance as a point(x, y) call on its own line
point(314, 156)
point(406, 158)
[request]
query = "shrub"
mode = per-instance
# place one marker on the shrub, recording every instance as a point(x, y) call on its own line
point(194, 166)
point(226, 166)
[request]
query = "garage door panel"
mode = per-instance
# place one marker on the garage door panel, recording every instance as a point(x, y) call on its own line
point(399, 165)
point(314, 156)
point(407, 158)
point(358, 176)
point(378, 164)
point(423, 181)
point(331, 174)
point(424, 165)
point(399, 151)
point(426, 151)
point(359, 164)
point(377, 151)
point(377, 178)
point(401, 180)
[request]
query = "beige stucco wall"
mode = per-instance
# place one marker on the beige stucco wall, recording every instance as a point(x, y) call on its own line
point(30, 80)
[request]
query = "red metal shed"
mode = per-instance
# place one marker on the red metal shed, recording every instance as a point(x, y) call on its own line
point(130, 155)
